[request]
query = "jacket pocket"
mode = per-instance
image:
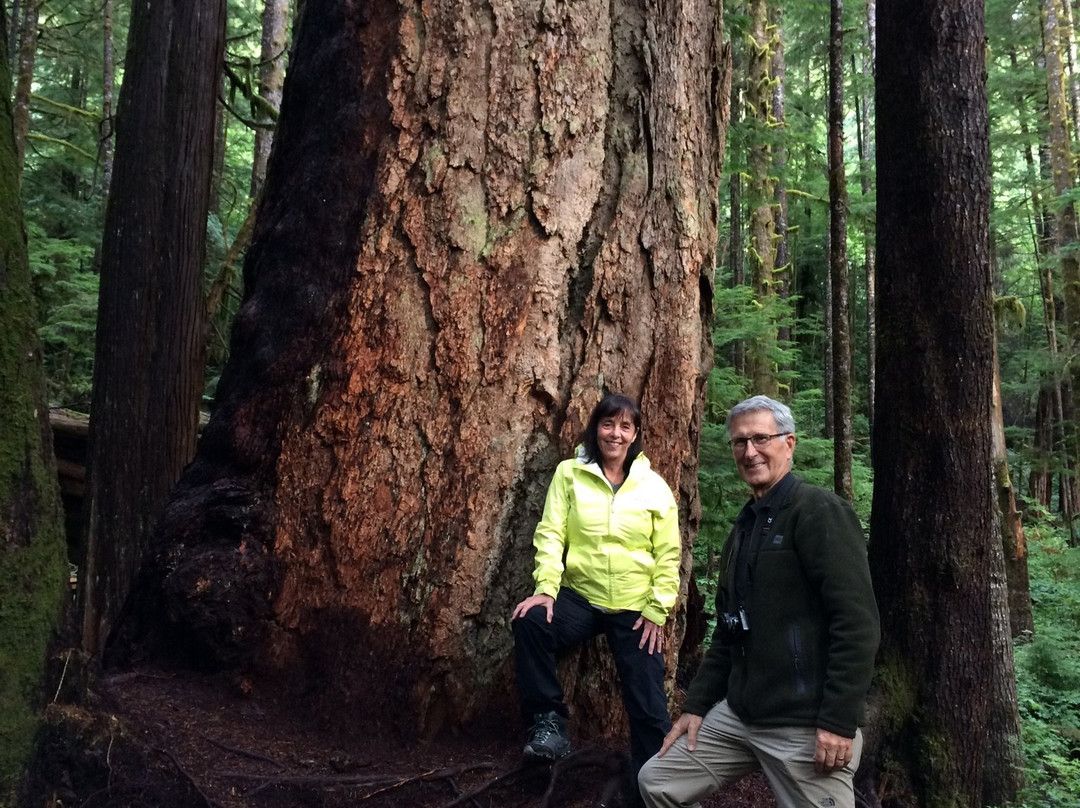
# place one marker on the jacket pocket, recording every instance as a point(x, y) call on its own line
point(800, 663)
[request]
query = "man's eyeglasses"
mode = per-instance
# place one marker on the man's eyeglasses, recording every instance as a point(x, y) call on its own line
point(759, 441)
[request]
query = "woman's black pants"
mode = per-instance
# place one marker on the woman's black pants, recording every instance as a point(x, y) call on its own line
point(537, 644)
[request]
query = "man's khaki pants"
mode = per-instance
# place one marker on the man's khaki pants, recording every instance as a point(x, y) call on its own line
point(728, 749)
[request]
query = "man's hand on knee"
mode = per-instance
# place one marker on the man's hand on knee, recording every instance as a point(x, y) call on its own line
point(688, 725)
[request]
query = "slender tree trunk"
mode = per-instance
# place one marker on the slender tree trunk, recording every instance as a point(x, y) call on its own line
point(221, 138)
point(1011, 527)
point(1010, 599)
point(1048, 423)
point(737, 256)
point(866, 187)
point(737, 253)
point(440, 286)
point(13, 36)
point(761, 196)
point(1061, 161)
point(275, 19)
point(830, 354)
point(108, 77)
point(1072, 69)
point(32, 550)
point(1003, 767)
point(783, 273)
point(25, 77)
point(838, 264)
point(933, 510)
point(149, 360)
point(1040, 478)
point(871, 30)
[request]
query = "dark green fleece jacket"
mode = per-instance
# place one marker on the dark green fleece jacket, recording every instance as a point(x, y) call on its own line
point(808, 656)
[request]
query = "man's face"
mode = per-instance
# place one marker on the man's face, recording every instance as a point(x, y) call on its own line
point(763, 466)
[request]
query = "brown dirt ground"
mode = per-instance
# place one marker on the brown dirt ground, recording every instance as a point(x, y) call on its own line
point(163, 739)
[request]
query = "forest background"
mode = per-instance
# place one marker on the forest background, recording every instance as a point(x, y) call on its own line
point(773, 329)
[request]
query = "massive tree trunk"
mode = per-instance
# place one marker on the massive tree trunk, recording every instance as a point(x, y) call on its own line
point(933, 540)
point(149, 352)
point(32, 551)
point(838, 263)
point(477, 219)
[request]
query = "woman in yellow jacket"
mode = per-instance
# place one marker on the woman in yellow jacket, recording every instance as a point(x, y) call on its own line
point(607, 560)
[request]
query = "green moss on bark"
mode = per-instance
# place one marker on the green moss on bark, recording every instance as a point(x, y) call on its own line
point(32, 550)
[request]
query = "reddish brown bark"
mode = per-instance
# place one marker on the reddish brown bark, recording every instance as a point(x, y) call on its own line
point(477, 219)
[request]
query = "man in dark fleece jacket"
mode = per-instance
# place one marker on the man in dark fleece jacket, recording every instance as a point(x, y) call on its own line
point(783, 685)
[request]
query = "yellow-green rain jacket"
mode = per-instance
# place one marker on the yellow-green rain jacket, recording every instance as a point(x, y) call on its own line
point(621, 549)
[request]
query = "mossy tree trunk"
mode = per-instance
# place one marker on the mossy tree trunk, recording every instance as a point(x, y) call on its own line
point(478, 218)
point(33, 572)
point(148, 362)
point(783, 274)
point(934, 550)
point(761, 194)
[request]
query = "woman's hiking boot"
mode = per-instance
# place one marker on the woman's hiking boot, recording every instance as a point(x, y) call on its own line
point(547, 737)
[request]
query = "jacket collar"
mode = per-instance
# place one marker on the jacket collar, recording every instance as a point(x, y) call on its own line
point(640, 465)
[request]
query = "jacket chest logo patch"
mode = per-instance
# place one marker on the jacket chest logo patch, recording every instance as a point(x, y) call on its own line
point(778, 539)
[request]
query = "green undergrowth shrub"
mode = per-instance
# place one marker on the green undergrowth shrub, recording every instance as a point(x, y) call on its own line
point(1048, 675)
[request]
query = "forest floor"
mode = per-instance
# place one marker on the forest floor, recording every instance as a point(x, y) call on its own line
point(165, 739)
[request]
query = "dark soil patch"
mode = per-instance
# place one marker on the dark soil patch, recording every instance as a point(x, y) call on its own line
point(182, 740)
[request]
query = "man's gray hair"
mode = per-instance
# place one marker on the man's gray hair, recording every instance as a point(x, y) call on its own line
point(781, 412)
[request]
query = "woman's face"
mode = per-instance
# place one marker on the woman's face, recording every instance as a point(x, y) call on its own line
point(614, 434)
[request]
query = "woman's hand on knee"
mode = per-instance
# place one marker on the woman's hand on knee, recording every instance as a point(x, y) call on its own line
point(522, 608)
point(652, 635)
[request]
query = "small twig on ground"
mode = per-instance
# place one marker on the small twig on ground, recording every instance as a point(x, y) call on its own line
point(210, 803)
point(246, 753)
point(480, 789)
point(63, 673)
point(380, 783)
point(434, 774)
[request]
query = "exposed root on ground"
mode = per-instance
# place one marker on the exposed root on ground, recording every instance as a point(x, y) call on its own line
point(612, 764)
